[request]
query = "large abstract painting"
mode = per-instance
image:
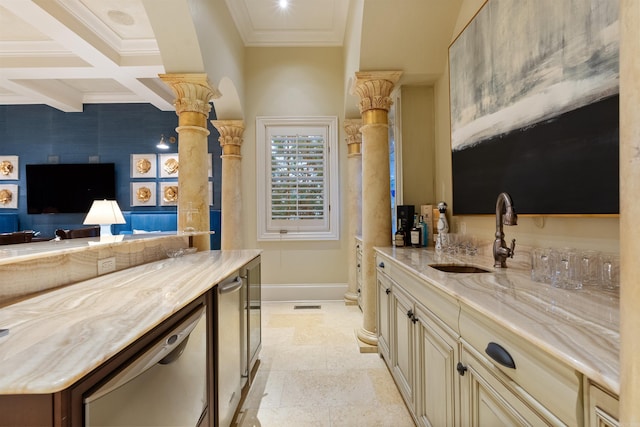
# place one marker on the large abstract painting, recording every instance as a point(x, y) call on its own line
point(534, 107)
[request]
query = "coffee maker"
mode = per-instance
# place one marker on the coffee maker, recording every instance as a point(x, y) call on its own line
point(405, 215)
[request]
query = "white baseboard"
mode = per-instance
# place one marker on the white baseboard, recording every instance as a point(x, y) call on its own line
point(304, 292)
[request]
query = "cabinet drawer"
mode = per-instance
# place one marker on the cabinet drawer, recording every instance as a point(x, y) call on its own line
point(384, 265)
point(550, 382)
point(488, 401)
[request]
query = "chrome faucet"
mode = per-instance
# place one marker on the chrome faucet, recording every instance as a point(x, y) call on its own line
point(505, 215)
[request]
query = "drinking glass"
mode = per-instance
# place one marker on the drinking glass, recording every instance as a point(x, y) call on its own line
point(444, 241)
point(471, 245)
point(541, 265)
point(590, 268)
point(566, 269)
point(452, 243)
point(610, 271)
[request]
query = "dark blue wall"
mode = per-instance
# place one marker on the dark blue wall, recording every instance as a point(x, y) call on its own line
point(112, 132)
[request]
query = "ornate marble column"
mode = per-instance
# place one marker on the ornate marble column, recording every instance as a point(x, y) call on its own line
point(629, 212)
point(374, 89)
point(354, 202)
point(193, 94)
point(231, 142)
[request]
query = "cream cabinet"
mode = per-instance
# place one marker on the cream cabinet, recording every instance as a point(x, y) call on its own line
point(419, 349)
point(486, 400)
point(527, 377)
point(384, 287)
point(359, 272)
point(602, 406)
point(402, 347)
point(435, 383)
point(456, 366)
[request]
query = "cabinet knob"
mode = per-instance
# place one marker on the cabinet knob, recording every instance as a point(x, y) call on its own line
point(358, 265)
point(358, 290)
point(500, 355)
point(414, 319)
point(409, 314)
point(461, 369)
point(381, 265)
point(387, 291)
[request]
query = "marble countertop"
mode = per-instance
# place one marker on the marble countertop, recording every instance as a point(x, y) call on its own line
point(31, 251)
point(57, 337)
point(579, 327)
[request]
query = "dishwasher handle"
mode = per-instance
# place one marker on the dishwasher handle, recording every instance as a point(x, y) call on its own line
point(230, 287)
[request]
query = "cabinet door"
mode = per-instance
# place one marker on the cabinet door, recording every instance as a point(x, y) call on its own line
point(602, 407)
point(486, 401)
point(384, 285)
point(359, 274)
point(436, 356)
point(402, 344)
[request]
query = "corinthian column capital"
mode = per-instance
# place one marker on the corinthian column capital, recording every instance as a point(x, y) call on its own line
point(374, 89)
point(231, 132)
point(354, 137)
point(193, 92)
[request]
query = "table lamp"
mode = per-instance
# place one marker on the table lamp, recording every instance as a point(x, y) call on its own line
point(104, 213)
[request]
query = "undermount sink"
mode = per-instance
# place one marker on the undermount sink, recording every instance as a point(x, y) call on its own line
point(458, 268)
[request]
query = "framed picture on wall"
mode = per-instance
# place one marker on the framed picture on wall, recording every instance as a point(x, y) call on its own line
point(169, 165)
point(9, 167)
point(143, 193)
point(8, 196)
point(169, 193)
point(143, 166)
point(535, 113)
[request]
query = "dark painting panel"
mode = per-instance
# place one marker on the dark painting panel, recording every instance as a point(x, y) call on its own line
point(576, 171)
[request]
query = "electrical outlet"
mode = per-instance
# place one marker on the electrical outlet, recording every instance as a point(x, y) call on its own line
point(106, 265)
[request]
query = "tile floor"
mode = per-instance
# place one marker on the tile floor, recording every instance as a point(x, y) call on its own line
point(313, 374)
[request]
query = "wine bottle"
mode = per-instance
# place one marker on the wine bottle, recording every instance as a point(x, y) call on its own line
point(424, 231)
point(399, 237)
point(416, 233)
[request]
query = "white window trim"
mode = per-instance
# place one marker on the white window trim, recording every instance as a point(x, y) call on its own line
point(263, 190)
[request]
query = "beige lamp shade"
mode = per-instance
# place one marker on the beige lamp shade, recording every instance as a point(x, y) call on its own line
point(104, 213)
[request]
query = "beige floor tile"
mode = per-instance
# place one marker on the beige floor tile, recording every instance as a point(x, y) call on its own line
point(371, 416)
point(313, 374)
point(328, 388)
point(298, 358)
point(285, 417)
point(349, 357)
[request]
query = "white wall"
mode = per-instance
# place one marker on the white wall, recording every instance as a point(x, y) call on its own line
point(294, 82)
point(580, 232)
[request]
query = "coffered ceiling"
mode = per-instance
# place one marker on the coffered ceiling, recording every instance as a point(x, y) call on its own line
point(65, 53)
point(302, 23)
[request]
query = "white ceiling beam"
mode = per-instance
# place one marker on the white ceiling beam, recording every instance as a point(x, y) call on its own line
point(57, 30)
point(78, 73)
point(159, 100)
point(52, 93)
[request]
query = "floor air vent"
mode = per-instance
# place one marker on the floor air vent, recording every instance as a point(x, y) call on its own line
point(307, 307)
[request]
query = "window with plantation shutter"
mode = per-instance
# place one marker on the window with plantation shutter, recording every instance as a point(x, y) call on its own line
point(297, 178)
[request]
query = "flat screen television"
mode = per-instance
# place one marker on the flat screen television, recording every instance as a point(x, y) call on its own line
point(68, 188)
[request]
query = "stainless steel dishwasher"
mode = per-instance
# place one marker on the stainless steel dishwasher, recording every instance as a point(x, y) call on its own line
point(228, 349)
point(163, 386)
